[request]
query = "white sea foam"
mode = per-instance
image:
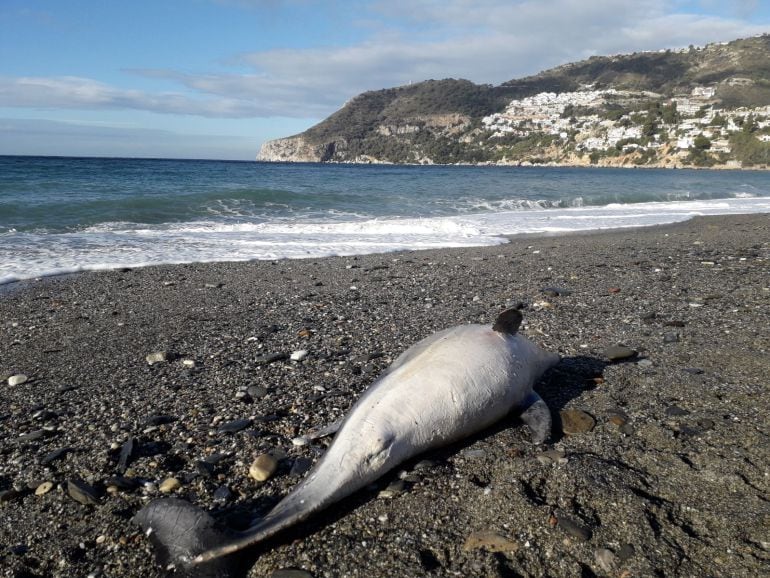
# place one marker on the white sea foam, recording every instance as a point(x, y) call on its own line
point(111, 245)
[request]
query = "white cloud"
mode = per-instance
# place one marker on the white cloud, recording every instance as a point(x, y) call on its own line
point(483, 40)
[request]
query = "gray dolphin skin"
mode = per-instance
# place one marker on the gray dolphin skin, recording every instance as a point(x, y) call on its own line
point(446, 387)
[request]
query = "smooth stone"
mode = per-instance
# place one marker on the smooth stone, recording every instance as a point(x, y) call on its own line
point(17, 379)
point(575, 421)
point(574, 529)
point(8, 495)
point(263, 467)
point(670, 337)
point(256, 391)
point(36, 435)
point(300, 466)
point(82, 492)
point(394, 488)
point(169, 485)
point(122, 483)
point(605, 559)
point(188, 363)
point(299, 355)
point(43, 488)
point(234, 426)
point(55, 455)
point(156, 357)
point(474, 454)
point(626, 552)
point(619, 352)
point(290, 573)
point(126, 454)
point(160, 419)
point(270, 358)
point(489, 541)
point(222, 494)
point(676, 411)
point(618, 417)
point(205, 468)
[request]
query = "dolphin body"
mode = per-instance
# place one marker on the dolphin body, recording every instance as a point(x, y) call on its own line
point(446, 387)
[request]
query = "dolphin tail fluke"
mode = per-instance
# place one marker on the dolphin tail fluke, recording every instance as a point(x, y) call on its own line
point(179, 532)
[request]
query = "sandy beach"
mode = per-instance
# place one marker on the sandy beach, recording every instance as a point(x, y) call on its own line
point(664, 471)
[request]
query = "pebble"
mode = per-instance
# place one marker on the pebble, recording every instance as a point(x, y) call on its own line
point(270, 358)
point(126, 453)
point(222, 494)
point(619, 352)
point(575, 421)
point(605, 559)
point(676, 411)
point(156, 357)
point(552, 456)
point(574, 529)
point(234, 426)
point(17, 379)
point(43, 488)
point(256, 391)
point(394, 488)
point(8, 495)
point(489, 541)
point(618, 417)
point(626, 552)
point(300, 466)
point(263, 467)
point(82, 492)
point(290, 573)
point(671, 337)
point(299, 355)
point(169, 485)
point(189, 363)
point(474, 454)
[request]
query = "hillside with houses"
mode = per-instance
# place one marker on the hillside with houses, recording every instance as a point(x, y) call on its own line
point(698, 107)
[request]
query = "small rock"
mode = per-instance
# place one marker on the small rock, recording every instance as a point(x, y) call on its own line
point(270, 358)
point(157, 357)
point(300, 466)
point(17, 379)
point(627, 429)
point(43, 488)
point(222, 494)
point(619, 352)
point(575, 421)
point(155, 420)
point(299, 355)
point(234, 426)
point(676, 411)
point(618, 417)
point(671, 337)
point(256, 391)
point(169, 485)
point(394, 488)
point(121, 483)
point(188, 363)
point(626, 552)
point(472, 454)
point(83, 493)
point(126, 454)
point(605, 559)
point(574, 529)
point(8, 495)
point(263, 467)
point(290, 573)
point(489, 541)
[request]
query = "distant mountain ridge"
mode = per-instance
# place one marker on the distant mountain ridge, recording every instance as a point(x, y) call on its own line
point(648, 108)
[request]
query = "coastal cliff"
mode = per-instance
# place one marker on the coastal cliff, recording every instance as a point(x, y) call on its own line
point(701, 106)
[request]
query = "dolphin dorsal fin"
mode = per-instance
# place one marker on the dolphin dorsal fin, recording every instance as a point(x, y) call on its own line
point(508, 322)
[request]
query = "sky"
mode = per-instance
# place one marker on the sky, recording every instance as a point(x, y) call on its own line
point(216, 78)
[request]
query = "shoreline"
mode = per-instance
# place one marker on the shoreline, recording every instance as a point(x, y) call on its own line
point(678, 442)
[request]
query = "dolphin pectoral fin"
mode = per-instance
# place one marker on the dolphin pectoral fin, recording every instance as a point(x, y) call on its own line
point(179, 532)
point(538, 417)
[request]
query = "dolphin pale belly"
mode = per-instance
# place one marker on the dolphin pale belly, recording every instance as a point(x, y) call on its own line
point(457, 382)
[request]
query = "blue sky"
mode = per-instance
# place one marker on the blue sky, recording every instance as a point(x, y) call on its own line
point(215, 78)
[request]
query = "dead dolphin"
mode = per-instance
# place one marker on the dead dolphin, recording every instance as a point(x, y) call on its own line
point(448, 386)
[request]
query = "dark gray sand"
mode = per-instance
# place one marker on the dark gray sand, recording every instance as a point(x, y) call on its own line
point(671, 480)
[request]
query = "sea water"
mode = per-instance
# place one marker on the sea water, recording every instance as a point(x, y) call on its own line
point(62, 215)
